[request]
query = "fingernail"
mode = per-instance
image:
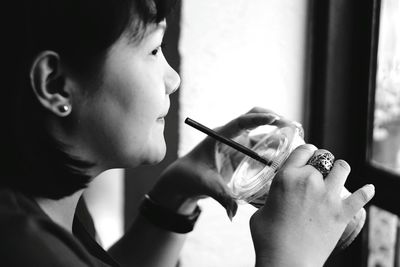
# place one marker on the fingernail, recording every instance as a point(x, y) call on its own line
point(235, 208)
point(231, 210)
point(371, 189)
point(274, 117)
point(230, 215)
point(297, 124)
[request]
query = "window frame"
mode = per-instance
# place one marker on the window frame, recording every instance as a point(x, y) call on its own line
point(341, 97)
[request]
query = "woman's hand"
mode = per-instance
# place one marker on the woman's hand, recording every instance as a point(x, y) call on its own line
point(304, 215)
point(195, 175)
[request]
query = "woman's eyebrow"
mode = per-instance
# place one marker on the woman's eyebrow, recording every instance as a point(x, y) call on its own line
point(161, 26)
point(148, 29)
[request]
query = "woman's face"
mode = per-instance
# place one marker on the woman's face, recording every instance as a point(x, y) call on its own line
point(121, 123)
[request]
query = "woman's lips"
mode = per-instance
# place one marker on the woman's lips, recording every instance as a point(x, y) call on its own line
point(162, 117)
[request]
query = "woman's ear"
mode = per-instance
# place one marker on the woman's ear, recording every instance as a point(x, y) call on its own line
point(48, 81)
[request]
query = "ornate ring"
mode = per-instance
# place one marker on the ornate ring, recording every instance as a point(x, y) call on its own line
point(323, 162)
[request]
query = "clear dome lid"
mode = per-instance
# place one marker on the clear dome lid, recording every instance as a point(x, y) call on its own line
point(251, 179)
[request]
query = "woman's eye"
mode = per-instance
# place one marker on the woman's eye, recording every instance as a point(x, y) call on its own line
point(158, 49)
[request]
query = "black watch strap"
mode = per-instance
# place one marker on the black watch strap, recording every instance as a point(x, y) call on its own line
point(166, 218)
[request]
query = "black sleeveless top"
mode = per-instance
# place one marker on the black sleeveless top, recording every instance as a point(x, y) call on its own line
point(28, 237)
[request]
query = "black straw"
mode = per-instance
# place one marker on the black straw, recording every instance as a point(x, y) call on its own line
point(226, 141)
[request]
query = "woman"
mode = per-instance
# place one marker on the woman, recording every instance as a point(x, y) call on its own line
point(87, 90)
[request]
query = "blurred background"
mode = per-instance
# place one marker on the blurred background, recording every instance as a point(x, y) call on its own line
point(333, 66)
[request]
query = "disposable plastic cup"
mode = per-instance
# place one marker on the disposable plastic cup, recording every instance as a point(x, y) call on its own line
point(249, 180)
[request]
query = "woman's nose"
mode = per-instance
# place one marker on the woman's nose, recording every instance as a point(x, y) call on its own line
point(172, 80)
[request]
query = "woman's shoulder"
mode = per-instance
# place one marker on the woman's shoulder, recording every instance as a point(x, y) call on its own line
point(29, 237)
point(18, 211)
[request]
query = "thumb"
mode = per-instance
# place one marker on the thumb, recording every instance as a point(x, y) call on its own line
point(221, 193)
point(358, 199)
point(246, 121)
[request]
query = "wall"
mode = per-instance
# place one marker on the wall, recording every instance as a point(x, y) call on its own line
point(104, 199)
point(236, 55)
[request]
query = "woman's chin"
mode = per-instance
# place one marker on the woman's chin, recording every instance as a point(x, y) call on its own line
point(147, 155)
point(155, 157)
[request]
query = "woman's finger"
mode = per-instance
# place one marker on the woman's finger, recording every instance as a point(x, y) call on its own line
point(358, 199)
point(337, 177)
point(247, 121)
point(281, 122)
point(351, 231)
point(221, 193)
point(260, 110)
point(300, 156)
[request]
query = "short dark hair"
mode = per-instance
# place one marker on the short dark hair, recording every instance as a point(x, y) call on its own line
point(81, 32)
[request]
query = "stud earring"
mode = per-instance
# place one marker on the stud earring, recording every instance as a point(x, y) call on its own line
point(64, 108)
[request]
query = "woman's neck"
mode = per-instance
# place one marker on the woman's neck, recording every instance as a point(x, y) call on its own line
point(61, 211)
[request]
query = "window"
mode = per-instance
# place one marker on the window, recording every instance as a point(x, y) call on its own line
point(354, 112)
point(386, 130)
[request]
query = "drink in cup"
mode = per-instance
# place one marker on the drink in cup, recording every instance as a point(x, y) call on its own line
point(249, 180)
